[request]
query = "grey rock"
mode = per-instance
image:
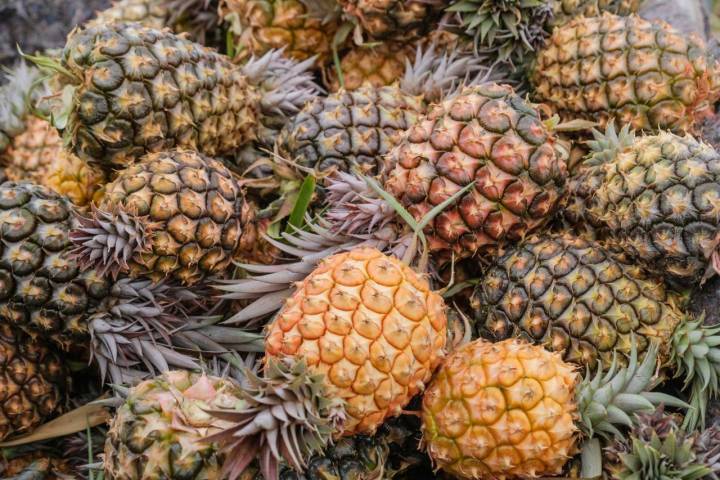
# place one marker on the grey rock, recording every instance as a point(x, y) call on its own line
point(37, 25)
point(688, 16)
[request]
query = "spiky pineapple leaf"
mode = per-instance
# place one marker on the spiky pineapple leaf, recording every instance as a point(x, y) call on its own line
point(302, 202)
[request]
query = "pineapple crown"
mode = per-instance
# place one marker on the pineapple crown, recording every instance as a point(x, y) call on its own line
point(108, 240)
point(658, 448)
point(697, 361)
point(605, 146)
point(608, 400)
point(507, 30)
point(284, 415)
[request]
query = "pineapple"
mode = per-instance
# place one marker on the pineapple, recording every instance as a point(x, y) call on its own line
point(368, 323)
point(131, 90)
point(294, 25)
point(488, 135)
point(32, 153)
point(566, 10)
point(75, 179)
point(376, 66)
point(357, 128)
point(196, 17)
point(175, 214)
point(575, 298)
point(646, 74)
point(35, 382)
point(655, 198)
point(123, 327)
point(14, 105)
point(393, 19)
point(515, 410)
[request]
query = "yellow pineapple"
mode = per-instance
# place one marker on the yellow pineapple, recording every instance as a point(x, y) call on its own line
point(73, 177)
point(376, 66)
point(31, 153)
point(511, 409)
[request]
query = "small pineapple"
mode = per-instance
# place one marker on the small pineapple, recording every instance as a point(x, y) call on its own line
point(32, 153)
point(393, 19)
point(175, 214)
point(655, 198)
point(81, 182)
point(14, 106)
point(137, 90)
point(35, 382)
point(642, 73)
point(297, 26)
point(574, 297)
point(376, 66)
point(566, 10)
point(490, 136)
point(514, 410)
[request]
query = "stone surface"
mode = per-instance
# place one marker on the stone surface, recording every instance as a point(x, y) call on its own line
point(37, 25)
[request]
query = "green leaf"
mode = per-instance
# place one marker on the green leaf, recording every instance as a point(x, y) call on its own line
point(230, 43)
point(297, 215)
point(439, 208)
point(591, 458)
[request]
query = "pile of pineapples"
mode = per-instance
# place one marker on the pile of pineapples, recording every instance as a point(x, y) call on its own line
point(360, 239)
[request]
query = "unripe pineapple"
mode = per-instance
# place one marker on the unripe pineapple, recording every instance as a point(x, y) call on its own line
point(137, 90)
point(490, 136)
point(295, 25)
point(157, 432)
point(655, 198)
point(514, 410)
point(376, 66)
point(357, 128)
point(371, 326)
point(646, 74)
point(176, 214)
point(575, 298)
point(34, 382)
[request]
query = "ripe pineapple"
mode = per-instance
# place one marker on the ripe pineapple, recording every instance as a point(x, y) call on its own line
point(377, 66)
point(368, 323)
point(566, 10)
point(297, 26)
point(515, 410)
point(655, 198)
point(393, 19)
point(357, 128)
point(76, 179)
point(490, 136)
point(175, 214)
point(137, 90)
point(35, 382)
point(196, 17)
point(31, 154)
point(646, 74)
point(574, 297)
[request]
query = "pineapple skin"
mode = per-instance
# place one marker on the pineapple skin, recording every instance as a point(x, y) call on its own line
point(35, 382)
point(657, 201)
point(143, 441)
point(200, 218)
point(566, 10)
point(574, 297)
point(377, 66)
point(489, 135)
point(394, 19)
point(371, 325)
point(350, 129)
point(273, 24)
point(32, 153)
point(646, 74)
point(501, 410)
point(145, 90)
point(43, 292)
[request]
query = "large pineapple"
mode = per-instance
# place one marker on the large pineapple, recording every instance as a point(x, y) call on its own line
point(654, 197)
point(515, 410)
point(130, 90)
point(490, 136)
point(643, 73)
point(357, 128)
point(196, 17)
point(298, 26)
point(174, 214)
point(574, 297)
point(34, 385)
point(368, 323)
